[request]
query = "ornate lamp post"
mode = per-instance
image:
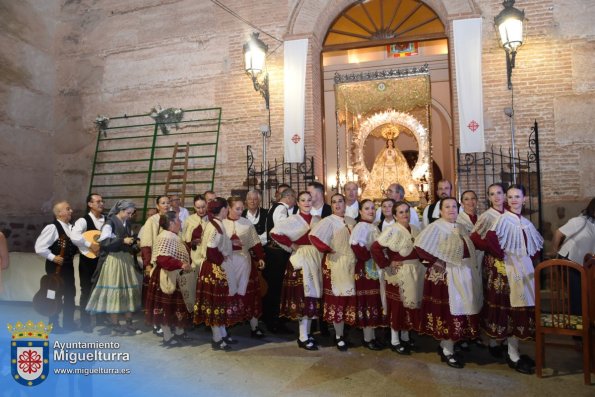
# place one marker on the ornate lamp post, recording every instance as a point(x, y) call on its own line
point(510, 26)
point(255, 52)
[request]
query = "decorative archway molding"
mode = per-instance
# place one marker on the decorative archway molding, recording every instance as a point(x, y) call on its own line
point(393, 117)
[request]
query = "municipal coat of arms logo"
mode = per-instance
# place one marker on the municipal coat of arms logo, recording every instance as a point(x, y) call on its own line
point(29, 358)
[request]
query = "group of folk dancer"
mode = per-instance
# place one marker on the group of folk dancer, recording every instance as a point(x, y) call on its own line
point(460, 274)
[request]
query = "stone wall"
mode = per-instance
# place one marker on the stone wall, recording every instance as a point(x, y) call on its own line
point(64, 62)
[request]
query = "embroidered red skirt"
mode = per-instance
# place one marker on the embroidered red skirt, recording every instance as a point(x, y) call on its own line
point(436, 319)
point(214, 306)
point(252, 299)
point(368, 301)
point(498, 319)
point(336, 308)
point(165, 309)
point(294, 304)
point(400, 318)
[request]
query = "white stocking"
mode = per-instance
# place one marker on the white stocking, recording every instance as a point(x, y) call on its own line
point(513, 348)
point(167, 335)
point(253, 323)
point(448, 347)
point(368, 334)
point(405, 336)
point(216, 333)
point(394, 337)
point(303, 327)
point(339, 329)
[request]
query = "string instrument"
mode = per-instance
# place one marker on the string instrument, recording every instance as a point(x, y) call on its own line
point(48, 300)
point(91, 236)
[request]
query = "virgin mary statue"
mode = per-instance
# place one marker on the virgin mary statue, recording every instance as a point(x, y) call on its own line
point(390, 167)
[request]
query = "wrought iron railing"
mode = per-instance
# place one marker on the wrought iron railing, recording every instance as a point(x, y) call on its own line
point(477, 171)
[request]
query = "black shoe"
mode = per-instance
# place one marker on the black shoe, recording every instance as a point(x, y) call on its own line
point(311, 338)
point(402, 348)
point(184, 338)
point(520, 365)
point(411, 343)
point(172, 342)
point(451, 360)
point(229, 341)
point(221, 345)
point(257, 333)
point(479, 343)
point(496, 351)
point(307, 345)
point(341, 344)
point(372, 345)
point(157, 330)
point(87, 328)
point(528, 360)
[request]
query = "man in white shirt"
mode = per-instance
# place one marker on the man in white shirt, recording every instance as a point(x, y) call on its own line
point(396, 192)
point(93, 220)
point(432, 211)
point(55, 246)
point(319, 207)
point(256, 214)
point(276, 263)
point(350, 190)
point(182, 212)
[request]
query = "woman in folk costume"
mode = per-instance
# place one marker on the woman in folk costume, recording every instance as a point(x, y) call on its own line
point(404, 274)
point(213, 305)
point(242, 273)
point(452, 294)
point(193, 229)
point(331, 237)
point(116, 290)
point(369, 311)
point(166, 303)
point(148, 237)
point(509, 311)
point(491, 278)
point(302, 283)
point(386, 213)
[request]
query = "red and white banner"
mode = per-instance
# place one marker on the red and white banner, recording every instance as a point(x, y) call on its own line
point(294, 65)
point(467, 49)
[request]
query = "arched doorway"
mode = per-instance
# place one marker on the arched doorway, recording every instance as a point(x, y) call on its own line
point(376, 36)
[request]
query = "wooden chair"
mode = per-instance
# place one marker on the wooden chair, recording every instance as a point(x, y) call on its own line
point(556, 319)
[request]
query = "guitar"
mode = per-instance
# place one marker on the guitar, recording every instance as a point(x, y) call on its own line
point(91, 236)
point(48, 300)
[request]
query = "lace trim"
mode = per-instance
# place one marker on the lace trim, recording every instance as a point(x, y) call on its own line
point(510, 229)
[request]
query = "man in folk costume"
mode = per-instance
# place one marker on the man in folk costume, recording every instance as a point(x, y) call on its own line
point(331, 237)
point(302, 284)
point(93, 220)
point(55, 245)
point(432, 211)
point(215, 305)
point(193, 229)
point(509, 312)
point(351, 199)
point(452, 283)
point(256, 214)
point(242, 277)
point(404, 274)
point(276, 263)
point(172, 287)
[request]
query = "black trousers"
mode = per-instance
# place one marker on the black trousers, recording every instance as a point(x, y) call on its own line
point(67, 274)
point(86, 269)
point(273, 273)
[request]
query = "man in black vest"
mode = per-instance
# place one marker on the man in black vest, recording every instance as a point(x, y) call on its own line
point(276, 262)
point(54, 239)
point(432, 211)
point(93, 220)
point(256, 214)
